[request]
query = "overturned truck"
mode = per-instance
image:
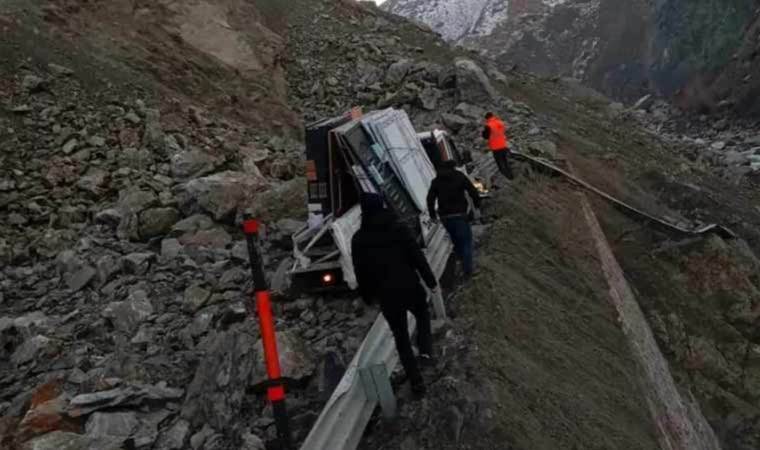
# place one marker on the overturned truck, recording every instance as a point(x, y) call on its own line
point(378, 152)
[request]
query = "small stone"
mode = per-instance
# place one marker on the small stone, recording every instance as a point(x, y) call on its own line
point(111, 217)
point(719, 145)
point(199, 438)
point(170, 249)
point(96, 141)
point(240, 251)
point(143, 336)
point(94, 181)
point(252, 442)
point(138, 263)
point(17, 219)
point(81, 278)
point(70, 146)
point(196, 297)
point(32, 83)
point(21, 109)
point(175, 437)
point(60, 70)
point(133, 118)
point(7, 185)
point(107, 266)
point(157, 221)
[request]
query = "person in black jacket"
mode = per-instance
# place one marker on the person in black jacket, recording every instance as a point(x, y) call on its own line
point(387, 261)
point(449, 189)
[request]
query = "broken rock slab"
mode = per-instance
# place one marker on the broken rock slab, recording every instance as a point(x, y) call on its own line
point(61, 440)
point(127, 315)
point(32, 349)
point(175, 437)
point(296, 360)
point(116, 425)
point(252, 442)
point(216, 394)
point(127, 396)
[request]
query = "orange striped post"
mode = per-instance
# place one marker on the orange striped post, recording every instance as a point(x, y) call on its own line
point(275, 385)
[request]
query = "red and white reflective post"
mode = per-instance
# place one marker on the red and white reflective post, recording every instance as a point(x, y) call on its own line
point(275, 385)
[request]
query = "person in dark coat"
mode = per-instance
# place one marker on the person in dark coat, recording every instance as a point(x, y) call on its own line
point(448, 189)
point(388, 264)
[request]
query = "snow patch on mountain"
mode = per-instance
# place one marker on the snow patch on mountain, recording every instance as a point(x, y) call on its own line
point(453, 19)
point(456, 20)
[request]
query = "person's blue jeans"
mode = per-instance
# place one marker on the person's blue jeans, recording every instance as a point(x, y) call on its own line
point(461, 235)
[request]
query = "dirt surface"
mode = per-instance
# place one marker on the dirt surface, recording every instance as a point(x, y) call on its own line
point(535, 358)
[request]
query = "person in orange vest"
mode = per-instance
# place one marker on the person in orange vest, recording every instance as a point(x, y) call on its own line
point(495, 132)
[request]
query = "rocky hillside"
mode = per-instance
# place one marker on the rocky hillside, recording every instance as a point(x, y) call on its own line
point(133, 137)
point(623, 48)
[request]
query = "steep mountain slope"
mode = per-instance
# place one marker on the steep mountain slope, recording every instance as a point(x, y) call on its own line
point(623, 48)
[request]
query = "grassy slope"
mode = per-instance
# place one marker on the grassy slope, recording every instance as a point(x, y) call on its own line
point(547, 334)
point(701, 297)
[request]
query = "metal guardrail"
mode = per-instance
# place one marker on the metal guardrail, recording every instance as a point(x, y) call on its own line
point(625, 207)
point(341, 424)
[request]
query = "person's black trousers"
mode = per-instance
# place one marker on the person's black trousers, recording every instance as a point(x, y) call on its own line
point(502, 162)
point(395, 313)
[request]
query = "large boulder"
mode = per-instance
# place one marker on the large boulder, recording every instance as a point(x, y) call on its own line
point(157, 222)
point(454, 122)
point(398, 71)
point(221, 194)
point(473, 84)
point(192, 163)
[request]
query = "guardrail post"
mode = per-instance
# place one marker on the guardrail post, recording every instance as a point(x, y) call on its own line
point(276, 385)
point(436, 297)
point(377, 386)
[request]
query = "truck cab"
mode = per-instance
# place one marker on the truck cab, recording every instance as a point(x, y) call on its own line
point(379, 152)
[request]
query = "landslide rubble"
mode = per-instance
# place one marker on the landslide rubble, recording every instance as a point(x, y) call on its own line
point(124, 277)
